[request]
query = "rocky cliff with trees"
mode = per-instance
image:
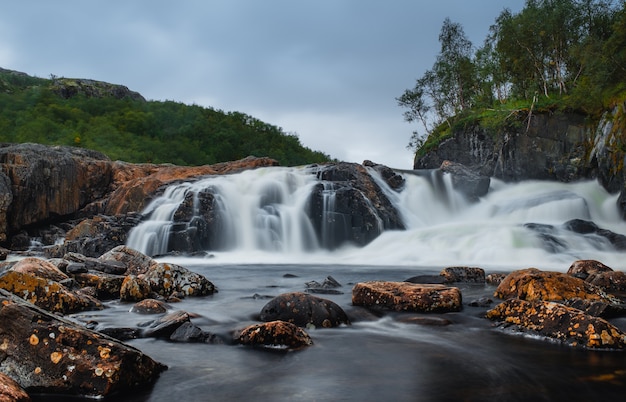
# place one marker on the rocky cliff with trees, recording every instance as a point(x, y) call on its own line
point(542, 98)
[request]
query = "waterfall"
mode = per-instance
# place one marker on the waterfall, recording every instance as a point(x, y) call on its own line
point(291, 215)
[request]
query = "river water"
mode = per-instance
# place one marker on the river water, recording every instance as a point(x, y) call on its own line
point(387, 357)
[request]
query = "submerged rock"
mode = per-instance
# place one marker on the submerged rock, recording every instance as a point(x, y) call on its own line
point(48, 354)
point(304, 310)
point(406, 296)
point(556, 321)
point(274, 335)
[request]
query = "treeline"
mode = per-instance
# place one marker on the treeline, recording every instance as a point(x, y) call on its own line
point(553, 54)
point(128, 128)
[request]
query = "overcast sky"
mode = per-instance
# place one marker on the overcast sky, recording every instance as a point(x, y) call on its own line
point(328, 70)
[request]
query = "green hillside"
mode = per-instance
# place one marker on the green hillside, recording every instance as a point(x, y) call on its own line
point(124, 126)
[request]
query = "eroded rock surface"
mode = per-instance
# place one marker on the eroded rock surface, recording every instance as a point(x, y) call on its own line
point(406, 296)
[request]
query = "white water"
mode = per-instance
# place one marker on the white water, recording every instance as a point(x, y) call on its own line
point(263, 209)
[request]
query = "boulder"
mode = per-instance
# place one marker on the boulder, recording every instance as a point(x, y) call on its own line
point(556, 321)
point(134, 289)
point(467, 182)
point(188, 332)
point(135, 261)
point(533, 284)
point(165, 326)
point(394, 180)
point(406, 296)
point(589, 228)
point(610, 281)
point(106, 286)
point(48, 354)
point(46, 293)
point(463, 274)
point(41, 268)
point(149, 306)
point(166, 279)
point(304, 310)
point(274, 335)
point(583, 268)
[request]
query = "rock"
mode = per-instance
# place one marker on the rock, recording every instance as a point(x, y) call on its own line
point(136, 262)
point(405, 296)
point(393, 179)
point(149, 306)
point(46, 293)
point(361, 209)
point(274, 335)
point(495, 278)
point(71, 87)
point(107, 286)
point(533, 284)
point(597, 308)
point(427, 321)
point(463, 274)
point(165, 326)
point(467, 182)
point(166, 279)
point(432, 279)
point(41, 268)
point(480, 302)
point(328, 286)
point(610, 281)
point(4, 253)
point(583, 268)
point(134, 289)
point(52, 355)
point(560, 322)
point(10, 391)
point(91, 263)
point(48, 182)
point(74, 268)
point(304, 310)
point(589, 228)
point(188, 332)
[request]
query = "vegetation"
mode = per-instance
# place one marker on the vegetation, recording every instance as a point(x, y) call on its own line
point(124, 126)
point(553, 55)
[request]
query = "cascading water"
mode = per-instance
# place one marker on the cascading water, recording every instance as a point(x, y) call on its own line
point(264, 215)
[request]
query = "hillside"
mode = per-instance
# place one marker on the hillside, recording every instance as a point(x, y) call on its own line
point(124, 126)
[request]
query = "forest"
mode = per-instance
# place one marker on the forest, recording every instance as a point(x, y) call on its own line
point(96, 115)
point(553, 55)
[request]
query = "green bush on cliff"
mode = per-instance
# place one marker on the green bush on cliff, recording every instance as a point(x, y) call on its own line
point(102, 117)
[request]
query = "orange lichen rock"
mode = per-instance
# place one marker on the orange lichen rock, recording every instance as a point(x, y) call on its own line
point(405, 296)
point(560, 322)
point(274, 334)
point(534, 284)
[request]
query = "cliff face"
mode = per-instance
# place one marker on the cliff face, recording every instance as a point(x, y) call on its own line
point(562, 147)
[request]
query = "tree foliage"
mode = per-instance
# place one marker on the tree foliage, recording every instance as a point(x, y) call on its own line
point(135, 130)
point(571, 52)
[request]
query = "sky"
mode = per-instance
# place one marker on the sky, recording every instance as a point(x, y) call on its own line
point(327, 70)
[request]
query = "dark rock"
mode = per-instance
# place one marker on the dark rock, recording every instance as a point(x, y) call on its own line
point(533, 284)
point(188, 332)
point(556, 321)
point(121, 334)
point(589, 228)
point(71, 87)
point(106, 266)
point(165, 326)
point(597, 308)
point(427, 321)
point(327, 287)
point(481, 302)
point(49, 354)
point(274, 335)
point(304, 310)
point(394, 180)
point(4, 253)
point(467, 182)
point(611, 281)
point(107, 286)
point(463, 274)
point(76, 268)
point(136, 262)
point(405, 296)
point(495, 278)
point(432, 279)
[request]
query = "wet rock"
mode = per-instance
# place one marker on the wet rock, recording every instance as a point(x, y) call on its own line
point(136, 262)
point(405, 296)
point(481, 302)
point(328, 286)
point(10, 390)
point(533, 284)
point(149, 306)
point(41, 268)
point(463, 274)
point(611, 281)
point(589, 228)
point(49, 354)
point(121, 334)
point(4, 253)
point(304, 310)
point(188, 332)
point(597, 308)
point(583, 268)
point(432, 279)
point(46, 293)
point(165, 326)
point(495, 278)
point(466, 181)
point(274, 335)
point(107, 286)
point(427, 321)
point(393, 179)
point(556, 321)
point(166, 279)
point(91, 263)
point(134, 289)
point(76, 268)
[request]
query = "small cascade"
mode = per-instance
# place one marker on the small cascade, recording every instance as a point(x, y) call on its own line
point(335, 226)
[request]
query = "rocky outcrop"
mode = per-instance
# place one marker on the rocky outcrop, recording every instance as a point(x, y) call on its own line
point(48, 354)
point(405, 296)
point(48, 183)
point(70, 87)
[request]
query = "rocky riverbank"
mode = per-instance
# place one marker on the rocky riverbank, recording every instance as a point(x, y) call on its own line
point(45, 353)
